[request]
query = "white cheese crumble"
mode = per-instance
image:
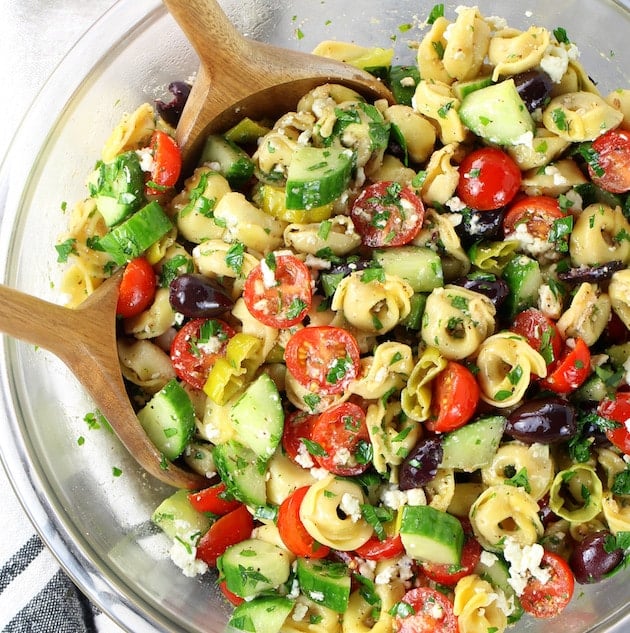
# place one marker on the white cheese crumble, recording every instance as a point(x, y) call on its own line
point(303, 457)
point(394, 498)
point(268, 276)
point(524, 563)
point(319, 473)
point(549, 303)
point(455, 204)
point(351, 506)
point(183, 553)
point(316, 596)
point(147, 163)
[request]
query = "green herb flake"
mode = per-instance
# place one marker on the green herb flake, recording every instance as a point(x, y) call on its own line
point(65, 249)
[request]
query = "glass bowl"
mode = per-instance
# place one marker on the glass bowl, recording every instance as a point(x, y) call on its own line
point(98, 524)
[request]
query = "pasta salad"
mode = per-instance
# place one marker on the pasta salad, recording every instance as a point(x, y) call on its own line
point(394, 336)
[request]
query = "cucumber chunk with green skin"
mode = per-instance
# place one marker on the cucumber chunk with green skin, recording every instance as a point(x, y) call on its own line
point(496, 571)
point(473, 445)
point(317, 176)
point(253, 566)
point(325, 582)
point(523, 277)
point(462, 89)
point(413, 321)
point(176, 517)
point(420, 267)
point(242, 472)
point(261, 615)
point(130, 239)
point(169, 419)
point(233, 163)
point(431, 535)
point(118, 187)
point(497, 114)
point(258, 417)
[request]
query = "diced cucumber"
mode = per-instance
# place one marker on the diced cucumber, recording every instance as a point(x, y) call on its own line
point(242, 472)
point(420, 267)
point(261, 615)
point(253, 566)
point(619, 354)
point(497, 113)
point(524, 277)
point(325, 582)
point(169, 419)
point(258, 417)
point(402, 82)
point(176, 517)
point(118, 187)
point(413, 321)
point(246, 131)
point(497, 574)
point(233, 163)
point(317, 176)
point(462, 89)
point(431, 535)
point(473, 445)
point(130, 239)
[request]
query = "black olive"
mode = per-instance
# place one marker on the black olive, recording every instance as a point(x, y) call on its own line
point(495, 289)
point(197, 296)
point(421, 465)
point(534, 88)
point(478, 225)
point(595, 556)
point(591, 274)
point(172, 111)
point(545, 421)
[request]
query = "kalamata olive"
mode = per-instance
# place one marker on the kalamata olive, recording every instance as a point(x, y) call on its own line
point(198, 296)
point(545, 421)
point(478, 225)
point(594, 557)
point(421, 465)
point(534, 88)
point(172, 111)
point(591, 274)
point(495, 289)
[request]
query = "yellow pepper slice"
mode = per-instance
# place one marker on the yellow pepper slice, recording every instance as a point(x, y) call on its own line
point(272, 201)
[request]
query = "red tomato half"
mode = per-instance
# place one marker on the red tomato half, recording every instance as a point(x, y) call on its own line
point(214, 499)
point(450, 575)
point(432, 612)
point(570, 370)
point(231, 597)
point(375, 549)
point(292, 530)
point(541, 333)
point(546, 600)
point(297, 426)
point(196, 347)
point(323, 358)
point(537, 212)
point(618, 410)
point(279, 295)
point(229, 529)
point(167, 163)
point(613, 159)
point(488, 179)
point(387, 214)
point(342, 434)
point(137, 288)
point(454, 400)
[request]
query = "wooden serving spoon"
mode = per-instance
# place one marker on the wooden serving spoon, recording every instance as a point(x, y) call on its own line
point(241, 77)
point(85, 340)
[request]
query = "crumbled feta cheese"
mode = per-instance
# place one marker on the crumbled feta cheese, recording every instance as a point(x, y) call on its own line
point(299, 612)
point(416, 497)
point(532, 245)
point(183, 553)
point(351, 506)
point(268, 275)
point(367, 568)
point(549, 302)
point(558, 178)
point(524, 563)
point(319, 473)
point(316, 596)
point(455, 204)
point(574, 200)
point(211, 346)
point(317, 263)
point(147, 163)
point(527, 139)
point(488, 558)
point(555, 61)
point(303, 457)
point(408, 82)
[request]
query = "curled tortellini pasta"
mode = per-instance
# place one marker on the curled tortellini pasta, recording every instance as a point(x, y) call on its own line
point(274, 153)
point(337, 234)
point(133, 132)
point(157, 319)
point(436, 101)
point(323, 515)
point(360, 616)
point(456, 321)
point(506, 363)
point(576, 494)
point(415, 398)
point(616, 510)
point(532, 462)
point(393, 169)
point(600, 235)
point(309, 617)
point(430, 57)
point(503, 511)
point(251, 325)
point(372, 305)
point(305, 400)
point(417, 131)
point(145, 364)
point(580, 116)
point(619, 293)
point(612, 464)
point(284, 477)
point(543, 149)
point(512, 52)
point(467, 45)
point(552, 179)
point(588, 315)
point(386, 369)
point(479, 607)
point(441, 489)
point(620, 100)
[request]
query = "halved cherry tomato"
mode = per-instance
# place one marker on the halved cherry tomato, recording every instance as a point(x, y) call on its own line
point(323, 358)
point(292, 531)
point(612, 150)
point(387, 214)
point(546, 600)
point(167, 163)
point(488, 179)
point(618, 410)
point(541, 333)
point(278, 293)
point(342, 434)
point(432, 612)
point(375, 549)
point(538, 213)
point(137, 288)
point(570, 370)
point(196, 347)
point(297, 426)
point(231, 597)
point(449, 575)
point(215, 499)
point(227, 530)
point(454, 399)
